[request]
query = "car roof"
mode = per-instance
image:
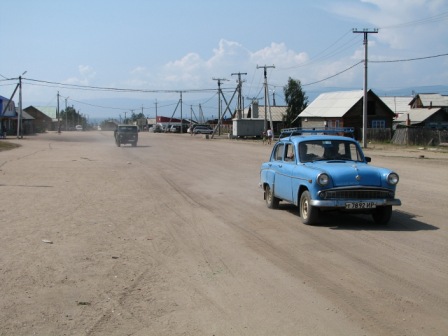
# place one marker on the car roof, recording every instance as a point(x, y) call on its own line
point(302, 138)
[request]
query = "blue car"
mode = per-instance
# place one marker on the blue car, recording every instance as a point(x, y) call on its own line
point(326, 173)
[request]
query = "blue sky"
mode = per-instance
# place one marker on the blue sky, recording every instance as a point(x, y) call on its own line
point(158, 48)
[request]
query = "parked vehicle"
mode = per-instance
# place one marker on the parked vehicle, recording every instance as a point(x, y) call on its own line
point(192, 127)
point(155, 128)
point(321, 173)
point(177, 129)
point(78, 127)
point(126, 134)
point(202, 130)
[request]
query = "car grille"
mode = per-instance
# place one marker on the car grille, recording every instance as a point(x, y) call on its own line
point(357, 194)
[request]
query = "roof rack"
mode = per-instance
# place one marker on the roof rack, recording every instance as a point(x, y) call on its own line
point(302, 131)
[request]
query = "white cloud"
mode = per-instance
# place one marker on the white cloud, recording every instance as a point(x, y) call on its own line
point(86, 71)
point(402, 24)
point(86, 75)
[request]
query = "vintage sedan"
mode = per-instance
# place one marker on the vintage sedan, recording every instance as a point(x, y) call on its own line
point(327, 173)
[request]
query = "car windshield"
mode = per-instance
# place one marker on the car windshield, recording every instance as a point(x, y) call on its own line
point(316, 150)
point(130, 129)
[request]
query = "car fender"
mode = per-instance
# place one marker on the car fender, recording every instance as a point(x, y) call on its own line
point(267, 177)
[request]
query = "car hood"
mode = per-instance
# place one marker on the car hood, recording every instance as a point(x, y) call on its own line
point(349, 173)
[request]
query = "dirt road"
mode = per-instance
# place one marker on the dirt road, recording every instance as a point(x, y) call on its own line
point(173, 238)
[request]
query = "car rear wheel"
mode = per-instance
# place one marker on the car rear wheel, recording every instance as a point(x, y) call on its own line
point(271, 201)
point(118, 143)
point(308, 213)
point(381, 215)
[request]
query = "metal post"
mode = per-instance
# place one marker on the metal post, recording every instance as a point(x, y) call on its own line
point(364, 105)
point(66, 115)
point(59, 119)
point(19, 116)
point(266, 96)
point(181, 117)
point(219, 101)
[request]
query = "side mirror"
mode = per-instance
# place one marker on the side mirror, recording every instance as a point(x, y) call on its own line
point(368, 159)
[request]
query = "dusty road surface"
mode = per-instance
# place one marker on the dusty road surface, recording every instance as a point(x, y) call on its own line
point(173, 238)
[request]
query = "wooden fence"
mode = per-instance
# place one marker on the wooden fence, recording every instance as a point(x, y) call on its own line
point(419, 137)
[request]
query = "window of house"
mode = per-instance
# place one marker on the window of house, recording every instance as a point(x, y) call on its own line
point(334, 123)
point(378, 123)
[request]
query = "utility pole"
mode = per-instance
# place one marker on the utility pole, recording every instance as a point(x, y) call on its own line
point(240, 98)
point(266, 98)
point(66, 115)
point(219, 100)
point(156, 110)
point(201, 114)
point(19, 116)
point(273, 98)
point(181, 117)
point(59, 114)
point(365, 31)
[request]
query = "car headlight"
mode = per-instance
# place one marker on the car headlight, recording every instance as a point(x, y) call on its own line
point(392, 178)
point(323, 179)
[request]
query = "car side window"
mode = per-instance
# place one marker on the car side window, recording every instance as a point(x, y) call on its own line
point(278, 152)
point(289, 152)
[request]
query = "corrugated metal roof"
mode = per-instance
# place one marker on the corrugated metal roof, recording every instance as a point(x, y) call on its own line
point(277, 112)
point(49, 111)
point(417, 115)
point(433, 99)
point(398, 104)
point(332, 104)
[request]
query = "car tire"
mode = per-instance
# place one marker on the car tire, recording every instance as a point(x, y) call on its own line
point(118, 143)
point(271, 201)
point(134, 144)
point(309, 213)
point(381, 215)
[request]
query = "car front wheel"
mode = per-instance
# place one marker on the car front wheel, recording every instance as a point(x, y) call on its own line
point(308, 213)
point(381, 215)
point(271, 201)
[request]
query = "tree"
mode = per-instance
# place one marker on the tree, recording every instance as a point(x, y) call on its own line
point(135, 117)
point(296, 100)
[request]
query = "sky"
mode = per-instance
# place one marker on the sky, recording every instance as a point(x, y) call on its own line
point(110, 58)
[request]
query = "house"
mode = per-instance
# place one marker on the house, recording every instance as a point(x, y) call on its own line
point(8, 117)
point(423, 110)
point(345, 109)
point(256, 114)
point(42, 121)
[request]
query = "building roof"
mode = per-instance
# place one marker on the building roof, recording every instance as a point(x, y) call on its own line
point(277, 112)
point(49, 111)
point(417, 115)
point(398, 105)
point(431, 99)
point(332, 104)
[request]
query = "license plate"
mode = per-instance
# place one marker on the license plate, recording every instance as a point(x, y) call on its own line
point(360, 205)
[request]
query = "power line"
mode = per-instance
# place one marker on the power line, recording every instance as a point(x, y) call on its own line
point(436, 18)
point(337, 74)
point(409, 59)
point(99, 88)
